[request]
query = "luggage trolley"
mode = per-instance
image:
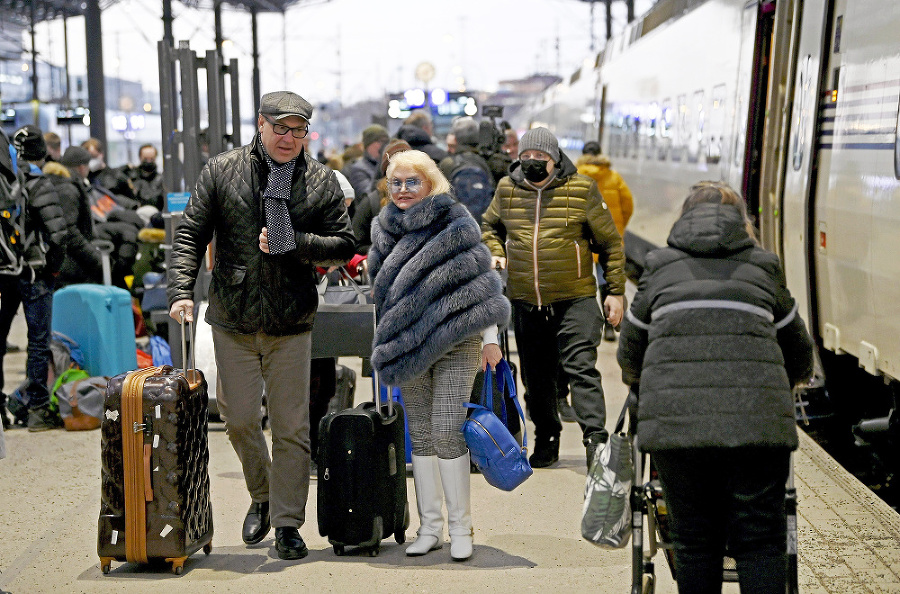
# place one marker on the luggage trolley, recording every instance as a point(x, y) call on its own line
point(648, 508)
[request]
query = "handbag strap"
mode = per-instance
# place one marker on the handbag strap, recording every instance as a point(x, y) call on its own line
point(350, 281)
point(630, 401)
point(507, 386)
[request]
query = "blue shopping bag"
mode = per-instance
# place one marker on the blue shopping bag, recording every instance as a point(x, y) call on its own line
point(493, 449)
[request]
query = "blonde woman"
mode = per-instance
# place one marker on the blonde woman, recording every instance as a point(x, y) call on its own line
point(438, 303)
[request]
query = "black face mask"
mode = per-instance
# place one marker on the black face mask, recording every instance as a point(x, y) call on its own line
point(535, 170)
point(148, 167)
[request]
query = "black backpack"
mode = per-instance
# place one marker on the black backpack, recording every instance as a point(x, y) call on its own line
point(472, 185)
point(12, 230)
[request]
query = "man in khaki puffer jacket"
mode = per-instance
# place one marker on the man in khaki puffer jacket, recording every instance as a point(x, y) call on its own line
point(540, 224)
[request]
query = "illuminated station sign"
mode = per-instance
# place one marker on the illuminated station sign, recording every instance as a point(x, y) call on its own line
point(443, 104)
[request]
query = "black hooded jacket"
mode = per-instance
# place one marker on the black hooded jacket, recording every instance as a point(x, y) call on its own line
point(45, 211)
point(714, 338)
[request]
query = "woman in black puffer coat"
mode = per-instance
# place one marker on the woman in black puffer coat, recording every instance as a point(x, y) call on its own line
point(714, 340)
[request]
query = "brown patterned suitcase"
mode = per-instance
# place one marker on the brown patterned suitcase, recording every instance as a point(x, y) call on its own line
point(155, 499)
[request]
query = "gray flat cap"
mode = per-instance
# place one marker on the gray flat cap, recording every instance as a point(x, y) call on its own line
point(282, 104)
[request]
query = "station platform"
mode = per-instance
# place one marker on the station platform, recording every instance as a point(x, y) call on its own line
point(527, 540)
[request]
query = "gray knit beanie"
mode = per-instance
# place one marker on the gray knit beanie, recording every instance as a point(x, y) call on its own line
point(540, 139)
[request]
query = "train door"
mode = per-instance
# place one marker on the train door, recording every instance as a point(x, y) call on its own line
point(799, 238)
point(857, 203)
point(757, 105)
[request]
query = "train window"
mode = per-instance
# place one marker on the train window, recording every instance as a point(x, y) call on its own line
point(838, 25)
point(716, 132)
point(651, 130)
point(666, 119)
point(695, 127)
point(681, 128)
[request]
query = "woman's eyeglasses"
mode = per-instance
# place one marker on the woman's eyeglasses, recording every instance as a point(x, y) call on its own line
point(281, 129)
point(412, 184)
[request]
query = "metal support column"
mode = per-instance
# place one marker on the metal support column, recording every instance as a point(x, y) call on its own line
point(235, 103)
point(256, 84)
point(217, 23)
point(609, 23)
point(215, 92)
point(96, 87)
point(190, 110)
point(173, 181)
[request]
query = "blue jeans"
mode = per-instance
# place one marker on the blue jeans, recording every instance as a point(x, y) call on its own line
point(727, 496)
point(36, 298)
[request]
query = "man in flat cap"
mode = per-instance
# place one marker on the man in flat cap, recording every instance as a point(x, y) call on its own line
point(276, 213)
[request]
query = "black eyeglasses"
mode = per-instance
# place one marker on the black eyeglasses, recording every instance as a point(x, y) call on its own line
point(281, 129)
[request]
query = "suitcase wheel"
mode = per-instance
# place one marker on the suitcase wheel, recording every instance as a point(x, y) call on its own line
point(207, 548)
point(339, 550)
point(105, 563)
point(177, 564)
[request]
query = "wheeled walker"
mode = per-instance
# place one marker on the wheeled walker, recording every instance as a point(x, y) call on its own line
point(648, 509)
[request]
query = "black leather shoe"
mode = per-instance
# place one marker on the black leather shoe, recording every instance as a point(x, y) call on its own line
point(289, 544)
point(257, 523)
point(546, 453)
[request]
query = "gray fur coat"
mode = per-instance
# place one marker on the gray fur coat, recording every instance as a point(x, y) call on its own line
point(433, 285)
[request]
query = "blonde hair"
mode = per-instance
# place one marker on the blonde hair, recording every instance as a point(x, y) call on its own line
point(423, 165)
point(714, 192)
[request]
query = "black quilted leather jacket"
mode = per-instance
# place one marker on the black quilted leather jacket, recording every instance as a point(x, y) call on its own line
point(251, 291)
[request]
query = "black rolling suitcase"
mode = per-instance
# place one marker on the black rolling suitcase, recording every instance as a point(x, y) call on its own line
point(362, 477)
point(155, 501)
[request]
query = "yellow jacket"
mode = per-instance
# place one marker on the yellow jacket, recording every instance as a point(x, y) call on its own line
point(612, 187)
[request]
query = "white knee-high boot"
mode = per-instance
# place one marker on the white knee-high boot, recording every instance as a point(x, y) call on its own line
point(456, 478)
point(429, 502)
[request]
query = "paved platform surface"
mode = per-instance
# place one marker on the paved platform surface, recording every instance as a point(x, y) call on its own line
point(527, 540)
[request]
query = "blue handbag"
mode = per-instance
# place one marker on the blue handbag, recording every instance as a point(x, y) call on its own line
point(496, 453)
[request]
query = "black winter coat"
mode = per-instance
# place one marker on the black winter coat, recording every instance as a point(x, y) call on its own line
point(44, 211)
point(714, 339)
point(82, 263)
point(252, 291)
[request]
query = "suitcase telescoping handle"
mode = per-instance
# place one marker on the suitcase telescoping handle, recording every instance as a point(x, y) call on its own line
point(184, 358)
point(377, 391)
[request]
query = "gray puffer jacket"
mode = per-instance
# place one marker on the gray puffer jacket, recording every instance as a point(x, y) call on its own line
point(252, 291)
point(714, 339)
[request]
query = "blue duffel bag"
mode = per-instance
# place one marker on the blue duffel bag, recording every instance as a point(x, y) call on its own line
point(493, 449)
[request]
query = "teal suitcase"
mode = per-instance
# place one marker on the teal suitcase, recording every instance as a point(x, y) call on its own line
point(100, 320)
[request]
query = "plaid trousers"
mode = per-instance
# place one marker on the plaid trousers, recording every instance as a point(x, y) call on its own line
point(434, 401)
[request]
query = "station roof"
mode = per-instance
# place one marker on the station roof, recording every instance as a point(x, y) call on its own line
point(45, 10)
point(258, 5)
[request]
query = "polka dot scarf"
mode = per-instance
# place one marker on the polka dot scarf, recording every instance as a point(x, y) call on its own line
point(275, 201)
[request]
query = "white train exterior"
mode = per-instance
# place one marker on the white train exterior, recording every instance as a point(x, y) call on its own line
point(795, 103)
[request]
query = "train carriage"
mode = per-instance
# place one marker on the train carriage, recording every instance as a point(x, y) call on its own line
point(793, 102)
